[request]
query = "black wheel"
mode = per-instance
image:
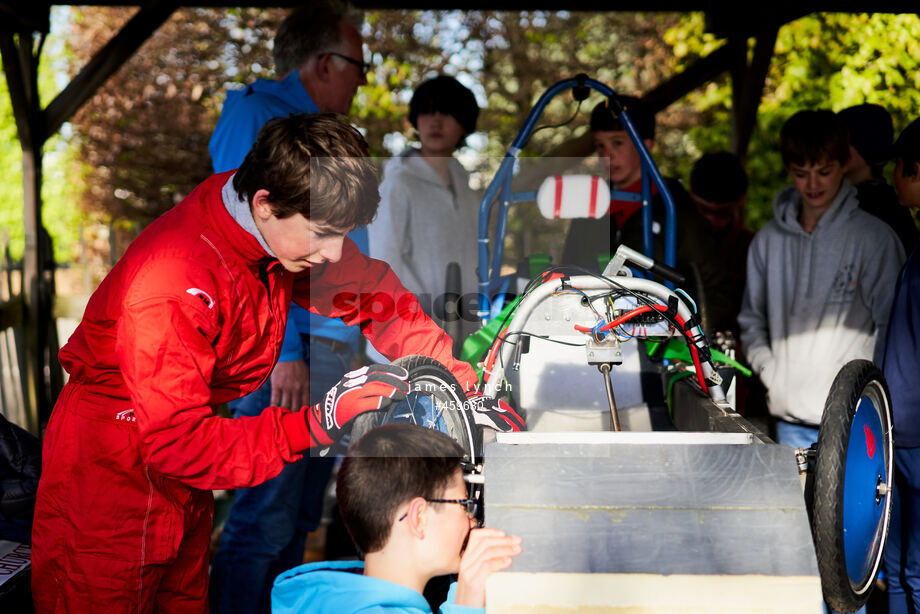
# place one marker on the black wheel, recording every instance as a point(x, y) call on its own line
point(435, 401)
point(853, 475)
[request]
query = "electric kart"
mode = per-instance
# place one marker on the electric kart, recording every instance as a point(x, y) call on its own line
point(617, 513)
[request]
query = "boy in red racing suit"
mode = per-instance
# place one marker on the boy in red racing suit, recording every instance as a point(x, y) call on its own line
point(191, 317)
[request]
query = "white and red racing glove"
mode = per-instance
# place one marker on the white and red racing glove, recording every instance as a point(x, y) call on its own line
point(370, 388)
point(492, 413)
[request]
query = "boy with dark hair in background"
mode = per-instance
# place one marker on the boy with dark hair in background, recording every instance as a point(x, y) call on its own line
point(871, 135)
point(718, 185)
point(403, 499)
point(819, 278)
point(428, 212)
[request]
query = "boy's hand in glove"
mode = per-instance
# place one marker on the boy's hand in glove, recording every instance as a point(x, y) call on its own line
point(493, 413)
point(369, 388)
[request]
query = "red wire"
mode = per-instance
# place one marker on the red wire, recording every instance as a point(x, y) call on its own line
point(623, 318)
point(694, 352)
point(493, 353)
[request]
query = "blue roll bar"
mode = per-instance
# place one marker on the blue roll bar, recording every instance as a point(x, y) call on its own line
point(501, 187)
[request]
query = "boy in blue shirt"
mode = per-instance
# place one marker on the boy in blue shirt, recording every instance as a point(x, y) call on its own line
point(403, 499)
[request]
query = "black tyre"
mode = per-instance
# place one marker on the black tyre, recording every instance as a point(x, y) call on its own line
point(436, 401)
point(852, 482)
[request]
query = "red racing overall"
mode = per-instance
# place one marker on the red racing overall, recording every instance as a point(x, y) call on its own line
point(191, 317)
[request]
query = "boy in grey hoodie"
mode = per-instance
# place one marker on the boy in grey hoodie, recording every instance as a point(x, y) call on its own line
point(820, 278)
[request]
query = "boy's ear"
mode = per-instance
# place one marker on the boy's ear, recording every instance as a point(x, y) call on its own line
point(261, 206)
point(417, 517)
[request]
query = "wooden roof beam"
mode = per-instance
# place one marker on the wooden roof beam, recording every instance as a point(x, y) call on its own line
point(747, 87)
point(106, 61)
point(31, 16)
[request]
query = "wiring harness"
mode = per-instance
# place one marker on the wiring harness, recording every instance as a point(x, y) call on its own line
point(648, 311)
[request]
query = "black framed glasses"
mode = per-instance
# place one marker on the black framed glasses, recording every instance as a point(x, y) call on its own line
point(364, 67)
point(469, 505)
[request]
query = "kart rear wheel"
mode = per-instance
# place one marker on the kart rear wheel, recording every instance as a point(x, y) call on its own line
point(853, 476)
point(435, 400)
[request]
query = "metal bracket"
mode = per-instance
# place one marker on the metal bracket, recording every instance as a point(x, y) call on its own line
point(605, 352)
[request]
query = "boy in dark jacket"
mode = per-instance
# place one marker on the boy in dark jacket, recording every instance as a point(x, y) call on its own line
point(901, 364)
point(871, 135)
point(718, 185)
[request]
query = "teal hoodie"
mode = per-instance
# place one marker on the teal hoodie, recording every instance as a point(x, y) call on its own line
point(340, 587)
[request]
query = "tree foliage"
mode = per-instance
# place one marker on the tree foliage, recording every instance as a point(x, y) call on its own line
point(144, 135)
point(62, 178)
point(510, 60)
point(824, 60)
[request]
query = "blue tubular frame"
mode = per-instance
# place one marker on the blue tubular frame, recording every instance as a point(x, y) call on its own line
point(501, 187)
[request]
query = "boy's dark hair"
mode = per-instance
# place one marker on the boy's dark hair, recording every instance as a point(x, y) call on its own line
point(310, 30)
point(603, 117)
point(871, 133)
point(387, 467)
point(719, 177)
point(907, 148)
point(446, 95)
point(316, 165)
point(808, 137)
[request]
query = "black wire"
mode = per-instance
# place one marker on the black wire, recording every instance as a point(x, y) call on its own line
point(566, 122)
point(696, 340)
point(545, 337)
point(644, 300)
point(537, 280)
point(531, 285)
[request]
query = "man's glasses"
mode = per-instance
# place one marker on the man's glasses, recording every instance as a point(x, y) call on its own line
point(365, 67)
point(469, 505)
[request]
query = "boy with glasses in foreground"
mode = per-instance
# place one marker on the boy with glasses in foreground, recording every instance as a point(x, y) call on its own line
point(403, 499)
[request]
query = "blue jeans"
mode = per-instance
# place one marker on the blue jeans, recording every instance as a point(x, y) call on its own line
point(902, 554)
point(795, 435)
point(801, 436)
point(266, 530)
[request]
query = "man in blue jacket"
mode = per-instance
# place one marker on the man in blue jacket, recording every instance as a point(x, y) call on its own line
point(901, 364)
point(318, 57)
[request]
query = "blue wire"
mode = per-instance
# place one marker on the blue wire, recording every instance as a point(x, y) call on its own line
point(687, 296)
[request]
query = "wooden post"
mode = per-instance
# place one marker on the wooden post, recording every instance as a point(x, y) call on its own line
point(20, 47)
point(747, 86)
point(20, 64)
